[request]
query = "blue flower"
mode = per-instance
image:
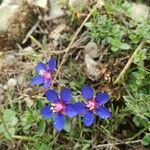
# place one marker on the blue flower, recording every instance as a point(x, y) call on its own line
point(92, 105)
point(44, 73)
point(60, 106)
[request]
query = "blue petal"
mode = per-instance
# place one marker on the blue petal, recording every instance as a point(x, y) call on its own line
point(52, 64)
point(59, 121)
point(88, 118)
point(66, 95)
point(87, 92)
point(71, 111)
point(40, 67)
point(52, 96)
point(37, 80)
point(46, 112)
point(80, 107)
point(103, 112)
point(47, 84)
point(102, 98)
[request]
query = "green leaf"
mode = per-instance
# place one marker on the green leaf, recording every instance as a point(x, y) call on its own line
point(67, 126)
point(44, 147)
point(41, 127)
point(141, 121)
point(146, 139)
point(114, 49)
point(11, 132)
point(125, 46)
point(9, 115)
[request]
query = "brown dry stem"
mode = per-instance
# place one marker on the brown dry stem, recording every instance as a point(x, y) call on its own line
point(127, 66)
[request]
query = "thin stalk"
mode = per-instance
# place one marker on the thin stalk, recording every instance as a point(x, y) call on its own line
point(126, 67)
point(19, 137)
point(137, 134)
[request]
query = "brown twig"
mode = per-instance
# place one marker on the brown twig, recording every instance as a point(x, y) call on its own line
point(73, 39)
point(126, 67)
point(30, 31)
point(113, 144)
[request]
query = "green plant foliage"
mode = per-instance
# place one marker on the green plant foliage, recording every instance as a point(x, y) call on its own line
point(138, 100)
point(146, 139)
point(107, 31)
point(8, 123)
point(139, 31)
point(29, 118)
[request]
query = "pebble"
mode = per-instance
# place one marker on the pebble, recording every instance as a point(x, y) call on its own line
point(78, 4)
point(21, 79)
point(92, 50)
point(10, 60)
point(28, 101)
point(12, 83)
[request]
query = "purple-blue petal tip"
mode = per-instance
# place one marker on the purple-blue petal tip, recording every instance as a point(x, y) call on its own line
point(102, 98)
point(87, 92)
point(66, 95)
point(59, 122)
point(52, 64)
point(46, 112)
point(103, 112)
point(52, 96)
point(37, 80)
point(40, 67)
point(88, 118)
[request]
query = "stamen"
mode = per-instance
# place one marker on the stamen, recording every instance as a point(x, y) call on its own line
point(58, 107)
point(41, 72)
point(47, 75)
point(91, 105)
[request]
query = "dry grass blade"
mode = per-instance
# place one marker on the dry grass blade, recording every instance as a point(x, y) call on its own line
point(126, 67)
point(73, 39)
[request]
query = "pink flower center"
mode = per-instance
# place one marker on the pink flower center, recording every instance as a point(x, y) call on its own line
point(47, 75)
point(58, 107)
point(91, 105)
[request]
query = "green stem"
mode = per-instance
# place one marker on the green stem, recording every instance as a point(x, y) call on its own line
point(136, 135)
point(19, 137)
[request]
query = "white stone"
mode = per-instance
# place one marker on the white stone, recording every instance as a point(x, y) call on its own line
point(91, 66)
point(27, 51)
point(10, 60)
point(78, 4)
point(28, 101)
point(139, 11)
point(55, 9)
point(12, 83)
point(92, 50)
point(21, 79)
point(8, 10)
point(40, 3)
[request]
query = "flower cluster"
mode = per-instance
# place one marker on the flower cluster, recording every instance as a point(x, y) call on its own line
point(61, 105)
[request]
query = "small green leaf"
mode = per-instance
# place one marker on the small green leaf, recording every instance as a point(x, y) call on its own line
point(9, 115)
point(44, 147)
point(11, 133)
point(146, 139)
point(67, 126)
point(125, 46)
point(114, 49)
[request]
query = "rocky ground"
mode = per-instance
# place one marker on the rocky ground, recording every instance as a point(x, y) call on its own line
point(33, 31)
